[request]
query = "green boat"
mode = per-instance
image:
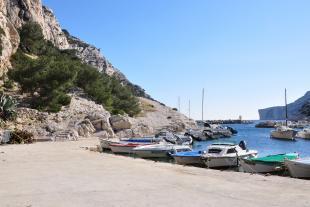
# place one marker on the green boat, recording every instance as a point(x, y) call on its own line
point(268, 164)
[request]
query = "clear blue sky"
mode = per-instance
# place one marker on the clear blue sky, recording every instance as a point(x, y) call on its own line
point(244, 53)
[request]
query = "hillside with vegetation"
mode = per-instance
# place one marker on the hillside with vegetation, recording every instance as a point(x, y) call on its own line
point(58, 87)
point(47, 74)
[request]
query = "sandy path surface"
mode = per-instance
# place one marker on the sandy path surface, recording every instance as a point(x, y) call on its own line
point(65, 175)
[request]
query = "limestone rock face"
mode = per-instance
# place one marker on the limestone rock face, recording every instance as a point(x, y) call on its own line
point(9, 40)
point(72, 122)
point(15, 13)
point(91, 55)
point(119, 122)
point(159, 117)
point(22, 11)
point(278, 112)
point(83, 116)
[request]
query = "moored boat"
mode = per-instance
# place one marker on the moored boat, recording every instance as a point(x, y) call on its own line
point(142, 140)
point(299, 168)
point(305, 133)
point(226, 154)
point(105, 143)
point(188, 158)
point(284, 133)
point(267, 164)
point(161, 150)
point(124, 148)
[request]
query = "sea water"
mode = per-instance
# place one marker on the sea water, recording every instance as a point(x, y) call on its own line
point(259, 139)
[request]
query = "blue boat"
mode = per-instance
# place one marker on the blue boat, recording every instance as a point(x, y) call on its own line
point(189, 158)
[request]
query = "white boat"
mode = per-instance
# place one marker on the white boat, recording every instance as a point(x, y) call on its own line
point(226, 154)
point(305, 133)
point(284, 132)
point(267, 164)
point(299, 168)
point(124, 148)
point(105, 143)
point(161, 150)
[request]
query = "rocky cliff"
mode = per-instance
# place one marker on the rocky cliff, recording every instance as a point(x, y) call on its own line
point(278, 112)
point(14, 13)
point(83, 116)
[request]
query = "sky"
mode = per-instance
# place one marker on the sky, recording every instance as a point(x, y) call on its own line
point(243, 53)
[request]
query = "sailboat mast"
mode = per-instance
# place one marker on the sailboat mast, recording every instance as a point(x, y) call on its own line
point(203, 97)
point(189, 109)
point(286, 114)
point(179, 104)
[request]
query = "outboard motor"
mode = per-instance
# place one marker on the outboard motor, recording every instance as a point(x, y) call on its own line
point(206, 125)
point(232, 130)
point(242, 144)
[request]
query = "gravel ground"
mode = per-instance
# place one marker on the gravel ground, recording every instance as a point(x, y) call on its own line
point(65, 174)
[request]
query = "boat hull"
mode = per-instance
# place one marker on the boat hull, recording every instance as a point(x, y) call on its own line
point(303, 135)
point(285, 135)
point(105, 144)
point(152, 153)
point(298, 169)
point(188, 160)
point(218, 162)
point(250, 167)
point(122, 149)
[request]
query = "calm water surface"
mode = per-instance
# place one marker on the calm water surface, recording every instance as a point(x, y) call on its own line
point(259, 139)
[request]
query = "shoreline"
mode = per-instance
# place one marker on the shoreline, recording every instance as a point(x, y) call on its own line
point(65, 174)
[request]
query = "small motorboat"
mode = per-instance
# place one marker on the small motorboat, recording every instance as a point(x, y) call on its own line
point(267, 164)
point(299, 168)
point(142, 140)
point(105, 143)
point(161, 150)
point(189, 157)
point(305, 133)
point(284, 133)
point(226, 154)
point(124, 148)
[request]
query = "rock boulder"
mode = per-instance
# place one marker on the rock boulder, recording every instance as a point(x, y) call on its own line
point(120, 122)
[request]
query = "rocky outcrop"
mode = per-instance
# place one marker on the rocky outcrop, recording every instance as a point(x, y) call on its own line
point(83, 117)
point(278, 112)
point(159, 117)
point(91, 55)
point(20, 11)
point(9, 41)
point(72, 122)
point(13, 14)
point(120, 122)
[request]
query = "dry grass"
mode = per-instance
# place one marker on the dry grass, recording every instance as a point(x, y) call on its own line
point(146, 108)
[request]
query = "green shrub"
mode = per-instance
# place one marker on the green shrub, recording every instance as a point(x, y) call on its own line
point(54, 72)
point(7, 107)
point(8, 84)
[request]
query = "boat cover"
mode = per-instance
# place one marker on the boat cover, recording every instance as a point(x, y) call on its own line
point(276, 158)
